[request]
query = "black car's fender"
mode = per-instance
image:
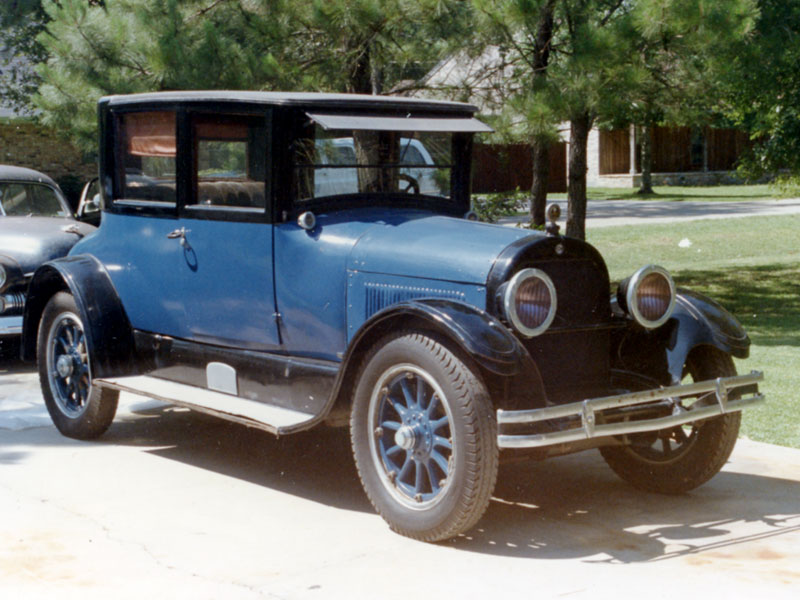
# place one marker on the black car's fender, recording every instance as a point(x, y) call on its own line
point(660, 354)
point(701, 321)
point(105, 323)
point(479, 336)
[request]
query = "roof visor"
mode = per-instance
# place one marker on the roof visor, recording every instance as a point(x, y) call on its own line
point(366, 122)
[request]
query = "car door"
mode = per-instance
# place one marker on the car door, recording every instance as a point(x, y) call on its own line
point(193, 206)
point(225, 234)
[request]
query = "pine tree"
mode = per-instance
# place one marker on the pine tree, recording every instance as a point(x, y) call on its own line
point(524, 31)
point(762, 85)
point(677, 58)
point(21, 21)
point(127, 46)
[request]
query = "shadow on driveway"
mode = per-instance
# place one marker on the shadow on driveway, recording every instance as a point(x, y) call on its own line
point(568, 507)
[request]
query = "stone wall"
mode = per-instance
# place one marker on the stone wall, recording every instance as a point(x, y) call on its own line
point(26, 144)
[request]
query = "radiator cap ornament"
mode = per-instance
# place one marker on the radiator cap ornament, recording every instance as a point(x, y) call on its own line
point(553, 213)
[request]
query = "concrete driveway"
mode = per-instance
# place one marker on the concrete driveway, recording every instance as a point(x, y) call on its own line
point(173, 504)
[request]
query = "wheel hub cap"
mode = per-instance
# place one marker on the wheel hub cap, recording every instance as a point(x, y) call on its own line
point(65, 365)
point(405, 438)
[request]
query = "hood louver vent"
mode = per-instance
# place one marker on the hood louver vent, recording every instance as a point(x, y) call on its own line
point(381, 295)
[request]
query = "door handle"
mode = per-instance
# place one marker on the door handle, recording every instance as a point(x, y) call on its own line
point(179, 234)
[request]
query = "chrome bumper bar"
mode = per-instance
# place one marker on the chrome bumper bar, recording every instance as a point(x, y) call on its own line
point(10, 326)
point(591, 412)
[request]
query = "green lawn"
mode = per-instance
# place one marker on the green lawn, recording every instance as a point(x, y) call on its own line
point(752, 267)
point(719, 193)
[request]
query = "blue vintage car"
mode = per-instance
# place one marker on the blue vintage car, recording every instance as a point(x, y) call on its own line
point(36, 225)
point(225, 279)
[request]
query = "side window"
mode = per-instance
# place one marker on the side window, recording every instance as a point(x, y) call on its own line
point(229, 162)
point(15, 199)
point(147, 143)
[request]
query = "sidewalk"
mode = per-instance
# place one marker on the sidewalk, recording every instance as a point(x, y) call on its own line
point(609, 213)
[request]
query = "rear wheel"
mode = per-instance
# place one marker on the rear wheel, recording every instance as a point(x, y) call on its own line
point(424, 438)
point(679, 459)
point(78, 409)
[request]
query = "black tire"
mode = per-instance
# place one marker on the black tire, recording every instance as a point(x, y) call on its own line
point(689, 455)
point(443, 446)
point(78, 409)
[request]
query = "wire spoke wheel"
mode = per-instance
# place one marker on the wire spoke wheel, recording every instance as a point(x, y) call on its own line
point(679, 459)
point(68, 365)
point(424, 437)
point(78, 409)
point(412, 435)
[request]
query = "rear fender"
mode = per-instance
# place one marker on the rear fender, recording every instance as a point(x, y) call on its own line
point(106, 325)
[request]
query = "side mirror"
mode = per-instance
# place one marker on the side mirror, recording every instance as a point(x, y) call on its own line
point(90, 205)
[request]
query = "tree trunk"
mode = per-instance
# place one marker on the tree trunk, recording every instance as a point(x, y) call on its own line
point(647, 159)
point(540, 151)
point(540, 146)
point(576, 183)
point(360, 76)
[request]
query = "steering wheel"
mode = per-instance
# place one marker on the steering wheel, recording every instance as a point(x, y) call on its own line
point(412, 184)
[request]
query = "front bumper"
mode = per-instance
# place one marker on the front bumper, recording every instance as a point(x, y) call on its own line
point(11, 307)
point(604, 417)
point(10, 326)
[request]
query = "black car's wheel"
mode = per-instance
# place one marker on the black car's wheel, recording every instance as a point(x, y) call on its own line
point(78, 409)
point(424, 438)
point(679, 459)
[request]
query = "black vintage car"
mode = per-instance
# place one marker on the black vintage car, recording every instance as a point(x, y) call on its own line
point(283, 261)
point(36, 225)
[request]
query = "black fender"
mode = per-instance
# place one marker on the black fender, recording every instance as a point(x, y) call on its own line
point(482, 337)
point(479, 336)
point(701, 321)
point(106, 324)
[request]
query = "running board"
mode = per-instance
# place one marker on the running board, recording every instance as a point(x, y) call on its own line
point(275, 419)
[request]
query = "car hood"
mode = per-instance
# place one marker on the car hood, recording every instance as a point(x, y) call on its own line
point(418, 244)
point(31, 241)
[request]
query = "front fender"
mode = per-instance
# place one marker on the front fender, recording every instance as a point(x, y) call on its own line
point(482, 337)
point(701, 321)
point(476, 333)
point(106, 325)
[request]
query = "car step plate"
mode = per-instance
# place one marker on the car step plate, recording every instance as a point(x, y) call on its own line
point(275, 419)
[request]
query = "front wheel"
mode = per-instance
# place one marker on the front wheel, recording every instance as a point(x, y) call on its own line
point(679, 459)
point(78, 409)
point(424, 438)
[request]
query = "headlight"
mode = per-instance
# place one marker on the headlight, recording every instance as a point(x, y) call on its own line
point(648, 296)
point(529, 302)
point(10, 273)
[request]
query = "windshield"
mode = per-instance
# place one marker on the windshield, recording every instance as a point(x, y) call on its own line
point(338, 162)
point(29, 200)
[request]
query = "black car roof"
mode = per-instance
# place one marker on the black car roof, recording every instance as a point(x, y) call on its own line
point(12, 173)
point(310, 100)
